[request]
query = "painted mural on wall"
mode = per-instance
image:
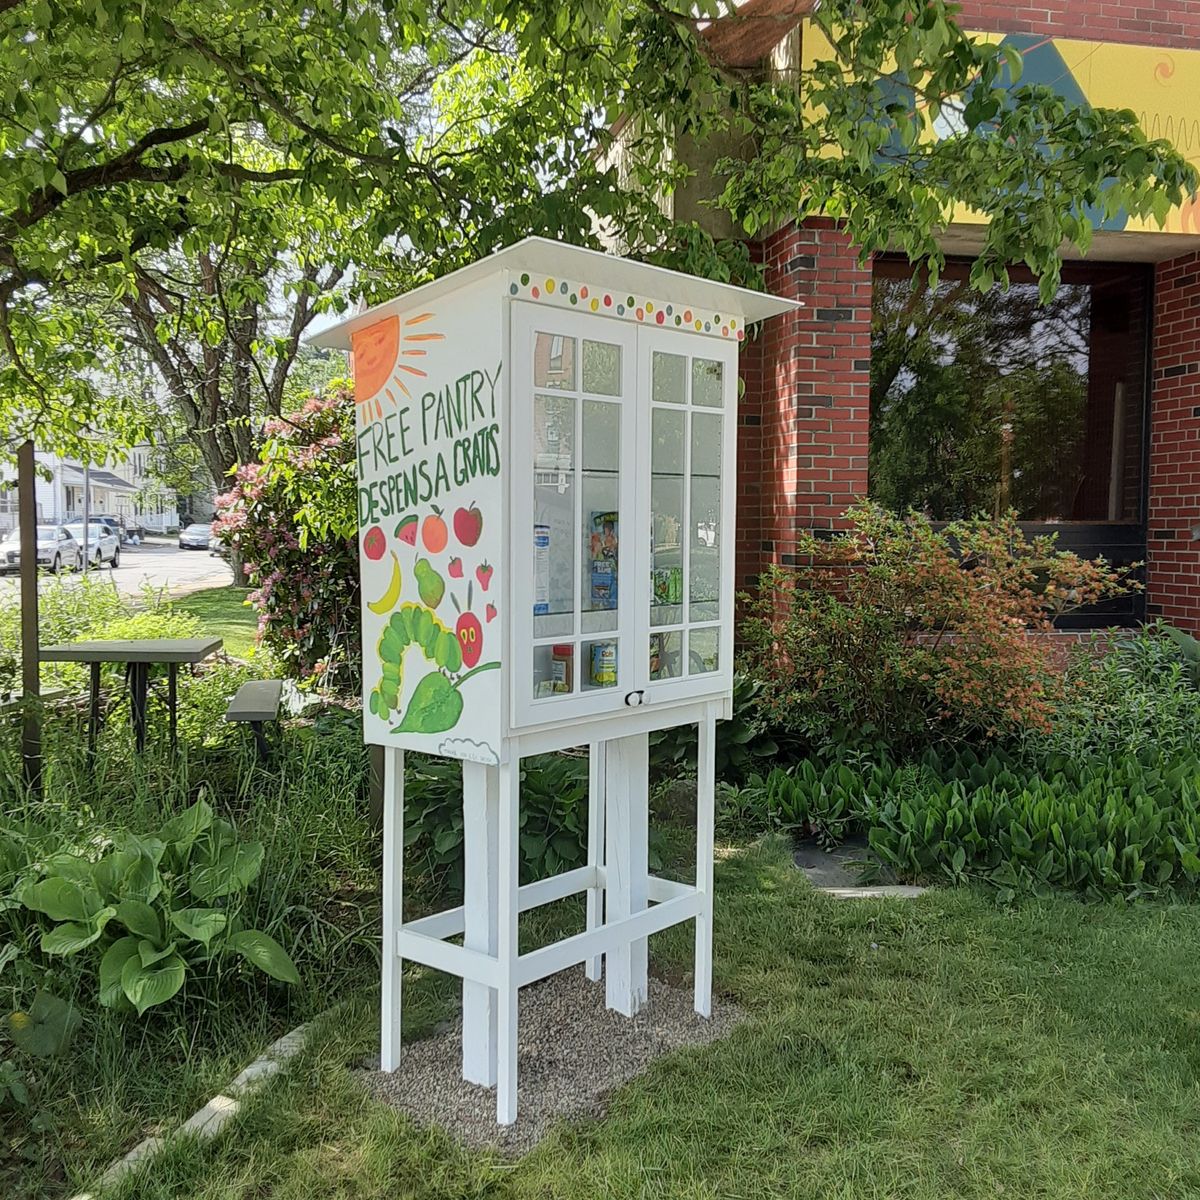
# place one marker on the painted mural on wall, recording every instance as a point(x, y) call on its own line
point(428, 401)
point(1157, 83)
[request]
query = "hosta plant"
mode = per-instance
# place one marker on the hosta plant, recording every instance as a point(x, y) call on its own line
point(156, 908)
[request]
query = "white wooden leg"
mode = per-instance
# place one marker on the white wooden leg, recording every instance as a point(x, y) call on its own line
point(705, 787)
point(393, 905)
point(627, 833)
point(595, 847)
point(508, 784)
point(481, 799)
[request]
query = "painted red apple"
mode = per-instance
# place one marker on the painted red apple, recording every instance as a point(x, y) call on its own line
point(374, 543)
point(470, 637)
point(468, 525)
point(455, 570)
point(406, 530)
point(491, 612)
point(483, 573)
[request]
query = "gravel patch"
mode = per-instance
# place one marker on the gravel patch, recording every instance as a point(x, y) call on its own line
point(571, 1053)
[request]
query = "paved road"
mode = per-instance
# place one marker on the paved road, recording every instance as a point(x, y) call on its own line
point(161, 565)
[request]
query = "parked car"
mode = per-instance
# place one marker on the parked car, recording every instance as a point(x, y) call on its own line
point(56, 549)
point(195, 537)
point(102, 544)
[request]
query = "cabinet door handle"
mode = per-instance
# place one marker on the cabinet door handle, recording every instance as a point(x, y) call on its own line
point(633, 699)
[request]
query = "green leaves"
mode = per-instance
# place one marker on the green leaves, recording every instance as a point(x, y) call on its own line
point(133, 905)
point(230, 869)
point(265, 953)
point(146, 985)
point(47, 1028)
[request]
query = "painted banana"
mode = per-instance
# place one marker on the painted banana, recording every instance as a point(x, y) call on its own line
point(387, 601)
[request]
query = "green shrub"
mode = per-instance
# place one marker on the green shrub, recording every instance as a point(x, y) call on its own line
point(742, 741)
point(1100, 827)
point(1111, 829)
point(898, 635)
point(553, 835)
point(68, 609)
point(1138, 698)
point(291, 518)
point(157, 909)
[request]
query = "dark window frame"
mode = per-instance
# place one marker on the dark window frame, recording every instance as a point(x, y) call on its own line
point(1120, 542)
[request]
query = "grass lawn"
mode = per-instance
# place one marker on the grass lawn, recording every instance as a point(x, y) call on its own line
point(942, 1048)
point(225, 614)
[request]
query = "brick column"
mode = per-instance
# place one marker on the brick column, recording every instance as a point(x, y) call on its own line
point(806, 409)
point(1173, 569)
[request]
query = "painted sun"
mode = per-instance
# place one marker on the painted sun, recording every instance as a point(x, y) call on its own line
point(378, 354)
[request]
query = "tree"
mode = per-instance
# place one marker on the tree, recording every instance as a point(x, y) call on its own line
point(134, 137)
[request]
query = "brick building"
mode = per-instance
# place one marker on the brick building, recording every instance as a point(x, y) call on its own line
point(1091, 424)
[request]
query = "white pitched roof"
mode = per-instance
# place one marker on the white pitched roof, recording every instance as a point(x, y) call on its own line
point(541, 256)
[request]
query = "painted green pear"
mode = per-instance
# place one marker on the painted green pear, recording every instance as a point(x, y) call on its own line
point(430, 585)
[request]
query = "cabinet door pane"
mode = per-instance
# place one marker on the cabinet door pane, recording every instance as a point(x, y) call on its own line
point(704, 592)
point(554, 362)
point(601, 518)
point(668, 515)
point(668, 378)
point(708, 383)
point(602, 368)
point(553, 515)
point(703, 651)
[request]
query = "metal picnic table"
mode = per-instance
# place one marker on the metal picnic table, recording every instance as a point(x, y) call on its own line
point(138, 657)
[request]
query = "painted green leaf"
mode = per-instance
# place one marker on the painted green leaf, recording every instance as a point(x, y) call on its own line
point(435, 706)
point(147, 986)
point(265, 953)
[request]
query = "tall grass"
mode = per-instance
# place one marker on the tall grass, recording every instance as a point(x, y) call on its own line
point(317, 893)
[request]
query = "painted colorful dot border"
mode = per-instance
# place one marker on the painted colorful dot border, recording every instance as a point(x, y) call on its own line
point(550, 289)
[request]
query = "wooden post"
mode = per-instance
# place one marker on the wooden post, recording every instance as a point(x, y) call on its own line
point(507, 905)
point(393, 906)
point(481, 820)
point(595, 848)
point(31, 715)
point(627, 851)
point(706, 764)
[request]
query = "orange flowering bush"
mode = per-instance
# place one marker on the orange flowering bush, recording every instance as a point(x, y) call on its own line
point(898, 633)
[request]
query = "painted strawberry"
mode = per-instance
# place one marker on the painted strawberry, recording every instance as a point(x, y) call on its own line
point(468, 525)
point(470, 637)
point(374, 543)
point(483, 573)
point(491, 612)
point(406, 530)
point(455, 569)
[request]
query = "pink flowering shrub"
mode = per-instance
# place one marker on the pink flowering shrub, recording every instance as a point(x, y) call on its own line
point(291, 518)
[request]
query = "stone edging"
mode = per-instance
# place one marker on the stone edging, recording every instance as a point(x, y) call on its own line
point(207, 1122)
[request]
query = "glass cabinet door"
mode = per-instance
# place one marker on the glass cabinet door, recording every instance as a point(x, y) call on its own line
point(691, 387)
point(574, 378)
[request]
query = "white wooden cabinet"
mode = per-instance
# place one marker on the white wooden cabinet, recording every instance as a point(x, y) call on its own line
point(623, 584)
point(546, 479)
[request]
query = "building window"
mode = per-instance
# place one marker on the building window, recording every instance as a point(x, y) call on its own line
point(981, 402)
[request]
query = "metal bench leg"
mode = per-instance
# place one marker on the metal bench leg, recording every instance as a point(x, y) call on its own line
point(260, 738)
point(172, 697)
point(94, 708)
